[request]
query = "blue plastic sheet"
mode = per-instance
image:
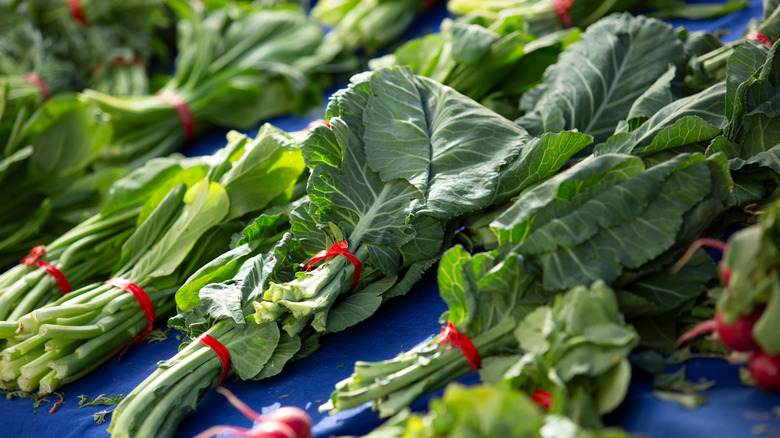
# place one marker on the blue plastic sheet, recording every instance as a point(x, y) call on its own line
point(733, 410)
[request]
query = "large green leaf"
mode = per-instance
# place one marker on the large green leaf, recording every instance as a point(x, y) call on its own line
point(448, 146)
point(596, 81)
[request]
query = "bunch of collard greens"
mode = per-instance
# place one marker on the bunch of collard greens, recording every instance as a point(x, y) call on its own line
point(573, 229)
point(575, 350)
point(665, 166)
point(389, 178)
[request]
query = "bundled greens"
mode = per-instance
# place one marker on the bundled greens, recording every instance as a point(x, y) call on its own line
point(181, 227)
point(368, 24)
point(236, 65)
point(46, 175)
point(485, 411)
point(106, 45)
point(89, 251)
point(545, 16)
point(493, 65)
point(403, 161)
point(573, 364)
point(573, 229)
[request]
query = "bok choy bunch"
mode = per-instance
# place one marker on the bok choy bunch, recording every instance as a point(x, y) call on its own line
point(180, 229)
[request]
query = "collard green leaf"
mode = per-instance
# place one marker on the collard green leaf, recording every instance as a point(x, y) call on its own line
point(358, 306)
point(595, 248)
point(451, 287)
point(538, 160)
point(250, 351)
point(356, 199)
point(220, 269)
point(653, 99)
point(596, 81)
point(684, 131)
point(448, 146)
point(469, 41)
point(547, 199)
point(287, 347)
point(707, 105)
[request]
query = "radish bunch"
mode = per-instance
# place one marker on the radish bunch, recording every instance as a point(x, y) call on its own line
point(286, 422)
point(748, 309)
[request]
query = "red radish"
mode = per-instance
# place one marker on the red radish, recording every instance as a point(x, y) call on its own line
point(738, 335)
point(296, 418)
point(765, 370)
point(286, 422)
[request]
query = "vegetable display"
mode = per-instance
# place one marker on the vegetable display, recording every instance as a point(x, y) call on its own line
point(182, 225)
point(393, 216)
point(561, 181)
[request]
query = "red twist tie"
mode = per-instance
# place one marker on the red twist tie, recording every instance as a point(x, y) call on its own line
point(33, 259)
point(562, 9)
point(182, 109)
point(759, 38)
point(77, 12)
point(32, 78)
point(124, 62)
point(542, 398)
point(143, 299)
point(338, 248)
point(449, 334)
point(317, 123)
point(221, 351)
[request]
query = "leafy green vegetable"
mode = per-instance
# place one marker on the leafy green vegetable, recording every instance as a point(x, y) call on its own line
point(235, 67)
point(544, 17)
point(582, 219)
point(493, 65)
point(66, 339)
point(368, 25)
point(595, 82)
point(395, 211)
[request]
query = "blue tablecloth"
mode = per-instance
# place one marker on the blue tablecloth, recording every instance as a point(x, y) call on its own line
point(733, 410)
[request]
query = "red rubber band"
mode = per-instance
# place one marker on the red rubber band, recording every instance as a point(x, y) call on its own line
point(338, 248)
point(33, 259)
point(124, 62)
point(562, 9)
point(36, 80)
point(759, 38)
point(77, 12)
point(316, 123)
point(429, 4)
point(220, 350)
point(182, 109)
point(143, 300)
point(449, 334)
point(542, 398)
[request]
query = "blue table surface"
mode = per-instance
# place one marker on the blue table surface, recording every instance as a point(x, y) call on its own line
point(732, 411)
